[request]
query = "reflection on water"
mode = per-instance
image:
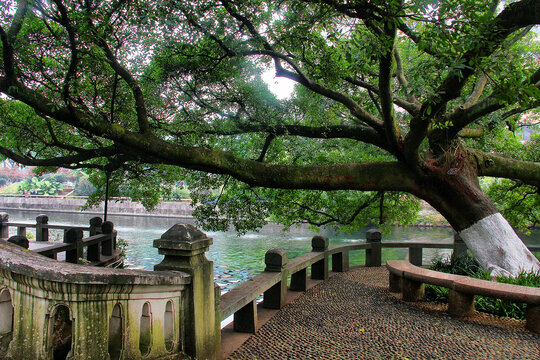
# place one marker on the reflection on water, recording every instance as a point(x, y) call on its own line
point(238, 258)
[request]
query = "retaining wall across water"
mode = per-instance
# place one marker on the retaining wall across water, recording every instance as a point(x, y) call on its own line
point(117, 206)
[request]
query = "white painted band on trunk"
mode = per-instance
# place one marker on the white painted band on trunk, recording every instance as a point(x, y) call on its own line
point(497, 247)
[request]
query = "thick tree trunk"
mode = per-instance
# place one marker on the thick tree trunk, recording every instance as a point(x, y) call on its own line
point(456, 194)
point(497, 247)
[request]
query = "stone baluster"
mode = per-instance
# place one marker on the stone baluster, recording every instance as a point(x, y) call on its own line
point(21, 230)
point(74, 236)
point(319, 270)
point(415, 255)
point(373, 254)
point(42, 232)
point(95, 226)
point(108, 245)
point(184, 247)
point(460, 248)
point(299, 280)
point(4, 227)
point(340, 261)
point(275, 297)
point(93, 251)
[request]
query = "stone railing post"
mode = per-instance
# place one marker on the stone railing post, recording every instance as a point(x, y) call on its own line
point(92, 253)
point(275, 297)
point(95, 226)
point(416, 255)
point(42, 233)
point(373, 255)
point(4, 227)
point(19, 240)
point(460, 248)
point(184, 247)
point(74, 236)
point(340, 261)
point(21, 230)
point(319, 270)
point(107, 246)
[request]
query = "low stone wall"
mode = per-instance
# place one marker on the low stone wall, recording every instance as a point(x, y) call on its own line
point(74, 204)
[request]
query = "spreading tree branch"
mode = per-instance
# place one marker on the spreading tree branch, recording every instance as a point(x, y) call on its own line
point(385, 85)
point(513, 17)
point(489, 164)
point(76, 161)
point(140, 107)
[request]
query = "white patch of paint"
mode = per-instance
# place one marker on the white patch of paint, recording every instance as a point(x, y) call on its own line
point(497, 247)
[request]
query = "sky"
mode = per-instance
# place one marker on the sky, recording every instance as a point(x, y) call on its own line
point(281, 87)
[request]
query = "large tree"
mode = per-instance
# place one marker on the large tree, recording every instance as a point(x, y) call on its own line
point(393, 98)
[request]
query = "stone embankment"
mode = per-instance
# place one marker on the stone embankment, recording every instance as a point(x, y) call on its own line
point(117, 206)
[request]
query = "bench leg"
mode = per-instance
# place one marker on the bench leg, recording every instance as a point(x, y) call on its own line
point(533, 318)
point(245, 319)
point(460, 304)
point(394, 283)
point(412, 290)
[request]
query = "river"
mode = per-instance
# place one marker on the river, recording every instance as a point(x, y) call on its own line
point(238, 258)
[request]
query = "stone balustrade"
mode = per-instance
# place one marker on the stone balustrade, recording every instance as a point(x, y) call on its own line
point(57, 310)
point(100, 244)
point(241, 301)
point(51, 309)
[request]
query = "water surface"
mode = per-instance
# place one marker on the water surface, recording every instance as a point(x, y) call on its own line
point(238, 258)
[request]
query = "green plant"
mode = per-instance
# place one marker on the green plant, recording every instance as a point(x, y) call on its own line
point(459, 265)
point(122, 245)
point(40, 186)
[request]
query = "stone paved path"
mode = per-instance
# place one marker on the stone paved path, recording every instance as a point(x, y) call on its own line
point(353, 316)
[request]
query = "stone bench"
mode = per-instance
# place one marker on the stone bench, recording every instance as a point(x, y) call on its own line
point(410, 279)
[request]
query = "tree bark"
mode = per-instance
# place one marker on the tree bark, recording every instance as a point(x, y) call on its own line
point(455, 192)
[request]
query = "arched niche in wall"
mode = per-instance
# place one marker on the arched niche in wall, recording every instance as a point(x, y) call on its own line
point(168, 326)
point(145, 336)
point(116, 333)
point(60, 332)
point(6, 320)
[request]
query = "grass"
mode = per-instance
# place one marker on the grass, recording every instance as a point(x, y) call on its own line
point(468, 266)
point(12, 188)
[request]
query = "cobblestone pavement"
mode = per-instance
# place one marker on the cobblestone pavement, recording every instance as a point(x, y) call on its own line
point(353, 316)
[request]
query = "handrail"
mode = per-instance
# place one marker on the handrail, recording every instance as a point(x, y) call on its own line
point(47, 226)
point(100, 242)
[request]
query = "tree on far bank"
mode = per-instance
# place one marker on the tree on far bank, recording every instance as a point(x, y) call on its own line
point(395, 100)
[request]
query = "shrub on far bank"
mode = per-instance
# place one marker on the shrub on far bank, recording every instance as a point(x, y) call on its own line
point(468, 266)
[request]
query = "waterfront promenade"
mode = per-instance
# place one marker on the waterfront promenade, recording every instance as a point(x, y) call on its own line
point(354, 316)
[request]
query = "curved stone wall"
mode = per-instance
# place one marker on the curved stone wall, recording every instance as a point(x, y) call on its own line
point(36, 289)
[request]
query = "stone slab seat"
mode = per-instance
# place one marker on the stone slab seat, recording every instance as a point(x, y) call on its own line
point(410, 279)
point(17, 260)
point(524, 294)
point(405, 269)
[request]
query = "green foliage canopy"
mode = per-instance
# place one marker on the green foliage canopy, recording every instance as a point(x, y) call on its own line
point(392, 98)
